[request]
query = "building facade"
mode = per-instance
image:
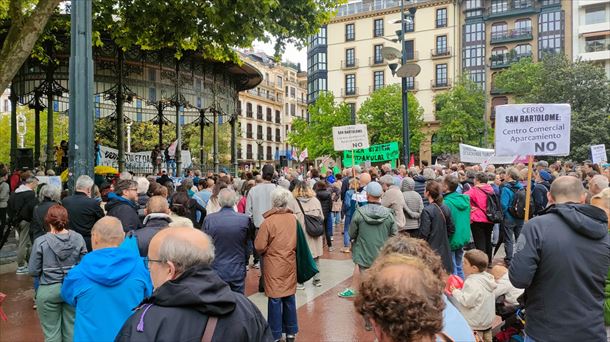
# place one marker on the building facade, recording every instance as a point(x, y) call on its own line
point(266, 112)
point(591, 32)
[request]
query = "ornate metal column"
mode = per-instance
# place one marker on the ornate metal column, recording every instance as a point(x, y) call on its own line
point(120, 99)
point(178, 154)
point(13, 98)
point(234, 143)
point(37, 105)
point(50, 164)
point(216, 161)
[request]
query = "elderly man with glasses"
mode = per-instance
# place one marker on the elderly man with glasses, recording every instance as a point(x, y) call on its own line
point(122, 204)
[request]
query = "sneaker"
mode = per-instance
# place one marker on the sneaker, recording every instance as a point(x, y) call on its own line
point(332, 238)
point(257, 265)
point(22, 270)
point(331, 249)
point(317, 283)
point(345, 250)
point(290, 338)
point(347, 293)
point(300, 286)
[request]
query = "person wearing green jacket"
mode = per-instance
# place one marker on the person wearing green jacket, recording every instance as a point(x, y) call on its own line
point(460, 213)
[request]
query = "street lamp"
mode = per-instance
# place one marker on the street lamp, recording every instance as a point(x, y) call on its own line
point(259, 151)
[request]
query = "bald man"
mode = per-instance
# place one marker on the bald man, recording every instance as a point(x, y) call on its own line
point(561, 261)
point(157, 218)
point(188, 292)
point(107, 284)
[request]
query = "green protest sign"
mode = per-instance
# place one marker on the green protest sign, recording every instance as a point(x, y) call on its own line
point(374, 154)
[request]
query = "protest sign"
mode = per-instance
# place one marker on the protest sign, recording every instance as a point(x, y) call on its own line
point(478, 155)
point(350, 137)
point(598, 154)
point(533, 129)
point(110, 156)
point(373, 154)
point(51, 180)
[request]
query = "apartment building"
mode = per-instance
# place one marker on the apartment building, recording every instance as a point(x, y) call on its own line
point(591, 32)
point(267, 111)
point(497, 33)
point(5, 102)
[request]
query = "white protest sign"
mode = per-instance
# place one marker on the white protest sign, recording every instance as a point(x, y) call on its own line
point(51, 180)
point(478, 155)
point(350, 137)
point(110, 156)
point(598, 154)
point(533, 129)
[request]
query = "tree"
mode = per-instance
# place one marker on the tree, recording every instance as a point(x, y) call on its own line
point(460, 112)
point(382, 113)
point(317, 135)
point(556, 79)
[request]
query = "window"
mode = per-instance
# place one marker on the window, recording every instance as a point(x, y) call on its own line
point(409, 23)
point(441, 75)
point(293, 93)
point(499, 30)
point(249, 131)
point(350, 58)
point(410, 83)
point(269, 135)
point(259, 112)
point(319, 38)
point(352, 111)
point(278, 116)
point(249, 151)
point(378, 58)
point(350, 32)
point(595, 14)
point(248, 109)
point(269, 153)
point(523, 50)
point(293, 109)
point(474, 8)
point(259, 132)
point(499, 6)
point(441, 45)
point(378, 28)
point(520, 4)
point(523, 26)
point(550, 32)
point(499, 56)
point(378, 81)
point(596, 43)
point(441, 17)
point(278, 136)
point(474, 32)
point(410, 50)
point(316, 62)
point(550, 2)
point(350, 84)
point(269, 115)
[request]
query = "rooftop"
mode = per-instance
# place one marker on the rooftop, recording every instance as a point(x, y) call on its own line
point(363, 6)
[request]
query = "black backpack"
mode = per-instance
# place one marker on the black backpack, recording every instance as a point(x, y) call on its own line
point(517, 206)
point(314, 225)
point(494, 207)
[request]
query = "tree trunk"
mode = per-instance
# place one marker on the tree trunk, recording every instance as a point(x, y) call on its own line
point(21, 37)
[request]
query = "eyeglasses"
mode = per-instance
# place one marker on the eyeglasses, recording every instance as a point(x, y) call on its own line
point(148, 261)
point(133, 189)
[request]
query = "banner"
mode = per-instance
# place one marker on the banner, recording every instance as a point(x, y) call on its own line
point(350, 137)
point(110, 156)
point(478, 155)
point(598, 154)
point(373, 154)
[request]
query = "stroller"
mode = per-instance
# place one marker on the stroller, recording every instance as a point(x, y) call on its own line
point(513, 318)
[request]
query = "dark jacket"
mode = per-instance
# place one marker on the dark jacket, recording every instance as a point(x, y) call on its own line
point(153, 223)
point(163, 179)
point(437, 228)
point(539, 192)
point(230, 232)
point(21, 205)
point(37, 226)
point(83, 212)
point(420, 187)
point(561, 260)
point(125, 210)
point(325, 199)
point(178, 311)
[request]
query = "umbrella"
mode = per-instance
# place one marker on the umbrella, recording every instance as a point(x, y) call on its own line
point(105, 170)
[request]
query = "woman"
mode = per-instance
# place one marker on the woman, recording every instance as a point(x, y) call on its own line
point(337, 185)
point(324, 196)
point(276, 242)
point(415, 206)
point(306, 199)
point(436, 226)
point(349, 207)
point(180, 213)
point(213, 205)
point(53, 255)
point(480, 226)
point(241, 205)
point(49, 196)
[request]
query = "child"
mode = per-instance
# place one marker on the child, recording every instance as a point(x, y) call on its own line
point(504, 286)
point(476, 299)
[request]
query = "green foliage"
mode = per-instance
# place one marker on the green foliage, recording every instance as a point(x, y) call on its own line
point(556, 79)
point(460, 112)
point(317, 135)
point(382, 113)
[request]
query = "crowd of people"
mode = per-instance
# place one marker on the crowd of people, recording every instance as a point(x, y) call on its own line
point(422, 240)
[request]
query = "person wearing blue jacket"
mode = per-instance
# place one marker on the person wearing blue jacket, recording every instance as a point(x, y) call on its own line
point(106, 285)
point(512, 225)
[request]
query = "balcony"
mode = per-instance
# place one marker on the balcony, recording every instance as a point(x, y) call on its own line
point(249, 135)
point(440, 53)
point(249, 113)
point(269, 137)
point(377, 61)
point(505, 60)
point(440, 84)
point(413, 86)
point(249, 155)
point(349, 64)
point(514, 8)
point(414, 56)
point(259, 116)
point(277, 138)
point(494, 90)
point(262, 94)
point(514, 35)
point(349, 92)
point(259, 136)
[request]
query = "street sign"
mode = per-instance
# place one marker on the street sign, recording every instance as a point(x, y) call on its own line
point(598, 154)
point(350, 137)
point(375, 154)
point(533, 129)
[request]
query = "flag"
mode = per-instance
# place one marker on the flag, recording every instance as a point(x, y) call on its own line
point(336, 170)
point(323, 170)
point(303, 155)
point(293, 156)
point(412, 160)
point(172, 149)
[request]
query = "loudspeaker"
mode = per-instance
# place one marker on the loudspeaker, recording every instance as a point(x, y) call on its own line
point(25, 158)
point(283, 161)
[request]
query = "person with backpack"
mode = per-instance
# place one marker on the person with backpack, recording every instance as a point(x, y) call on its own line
point(460, 213)
point(512, 199)
point(483, 200)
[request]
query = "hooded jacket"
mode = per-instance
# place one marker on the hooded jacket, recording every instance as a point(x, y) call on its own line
point(476, 300)
point(5, 190)
point(561, 260)
point(394, 200)
point(153, 223)
point(420, 187)
point(506, 198)
point(478, 202)
point(105, 286)
point(21, 204)
point(53, 255)
point(415, 204)
point(179, 309)
point(371, 226)
point(460, 214)
point(123, 209)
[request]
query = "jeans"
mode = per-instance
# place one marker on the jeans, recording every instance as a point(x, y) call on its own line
point(346, 223)
point(528, 339)
point(56, 316)
point(282, 316)
point(171, 165)
point(457, 257)
point(25, 243)
point(328, 223)
point(481, 233)
point(336, 217)
point(512, 230)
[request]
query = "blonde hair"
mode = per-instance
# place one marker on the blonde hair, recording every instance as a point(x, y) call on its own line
point(302, 189)
point(602, 200)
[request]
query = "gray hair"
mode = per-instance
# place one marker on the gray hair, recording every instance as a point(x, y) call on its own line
point(184, 254)
point(50, 191)
point(429, 173)
point(514, 173)
point(125, 175)
point(387, 180)
point(227, 198)
point(280, 197)
point(601, 182)
point(84, 182)
point(143, 184)
point(357, 169)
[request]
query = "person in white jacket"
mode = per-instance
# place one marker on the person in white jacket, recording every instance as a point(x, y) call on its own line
point(476, 299)
point(504, 286)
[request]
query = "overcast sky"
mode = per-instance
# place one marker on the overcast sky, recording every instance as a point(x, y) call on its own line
point(291, 54)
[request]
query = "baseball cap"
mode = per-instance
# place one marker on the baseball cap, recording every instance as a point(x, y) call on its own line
point(374, 189)
point(546, 176)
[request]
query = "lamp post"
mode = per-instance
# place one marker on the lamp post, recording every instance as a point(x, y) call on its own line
point(259, 153)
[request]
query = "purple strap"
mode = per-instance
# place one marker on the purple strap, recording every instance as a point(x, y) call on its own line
point(140, 327)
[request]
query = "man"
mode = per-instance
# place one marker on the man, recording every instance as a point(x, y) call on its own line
point(189, 297)
point(157, 218)
point(106, 285)
point(122, 204)
point(562, 262)
point(540, 188)
point(460, 215)
point(512, 225)
point(420, 182)
point(83, 210)
point(20, 206)
point(393, 199)
point(259, 201)
point(347, 177)
point(164, 177)
point(597, 184)
point(155, 159)
point(230, 232)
